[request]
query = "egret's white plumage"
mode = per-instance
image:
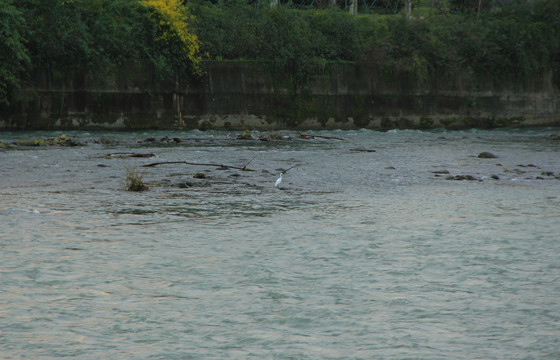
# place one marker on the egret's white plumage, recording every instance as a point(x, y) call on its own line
point(279, 180)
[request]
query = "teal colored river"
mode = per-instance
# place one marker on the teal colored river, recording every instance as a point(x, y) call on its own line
point(375, 246)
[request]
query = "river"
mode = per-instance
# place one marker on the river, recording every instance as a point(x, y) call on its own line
point(371, 248)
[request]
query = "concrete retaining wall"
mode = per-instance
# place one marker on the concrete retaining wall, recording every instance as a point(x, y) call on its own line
point(243, 95)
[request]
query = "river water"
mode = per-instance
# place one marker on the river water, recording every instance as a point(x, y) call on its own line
point(358, 255)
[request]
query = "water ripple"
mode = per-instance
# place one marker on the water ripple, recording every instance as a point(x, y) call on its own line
point(362, 255)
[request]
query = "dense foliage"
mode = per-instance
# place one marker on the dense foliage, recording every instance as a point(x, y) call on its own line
point(95, 37)
point(509, 42)
point(514, 41)
point(13, 53)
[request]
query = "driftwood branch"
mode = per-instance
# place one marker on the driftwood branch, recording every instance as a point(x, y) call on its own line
point(129, 154)
point(307, 136)
point(244, 168)
point(290, 168)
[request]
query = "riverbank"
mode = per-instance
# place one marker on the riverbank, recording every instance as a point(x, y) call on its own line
point(245, 95)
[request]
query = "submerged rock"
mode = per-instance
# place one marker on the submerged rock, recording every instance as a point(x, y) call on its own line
point(168, 140)
point(486, 155)
point(461, 177)
point(61, 140)
point(137, 187)
point(32, 142)
point(274, 137)
point(65, 140)
point(164, 140)
point(362, 150)
point(514, 171)
point(245, 135)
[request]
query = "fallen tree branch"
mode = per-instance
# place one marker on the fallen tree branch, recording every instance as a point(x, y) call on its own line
point(243, 168)
point(362, 150)
point(290, 168)
point(129, 154)
point(307, 136)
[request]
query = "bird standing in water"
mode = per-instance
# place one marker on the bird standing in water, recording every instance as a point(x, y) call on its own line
point(279, 180)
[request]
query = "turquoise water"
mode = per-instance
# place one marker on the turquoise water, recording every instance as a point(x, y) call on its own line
point(359, 255)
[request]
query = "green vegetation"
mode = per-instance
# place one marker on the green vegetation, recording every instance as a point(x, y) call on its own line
point(511, 42)
point(134, 180)
point(171, 39)
point(61, 140)
point(93, 37)
point(13, 53)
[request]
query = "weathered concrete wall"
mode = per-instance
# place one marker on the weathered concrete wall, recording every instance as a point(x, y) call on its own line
point(242, 95)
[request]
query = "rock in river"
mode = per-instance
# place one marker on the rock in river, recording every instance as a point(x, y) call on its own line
point(486, 155)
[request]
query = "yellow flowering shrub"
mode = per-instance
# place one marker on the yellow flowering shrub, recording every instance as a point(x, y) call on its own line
point(174, 23)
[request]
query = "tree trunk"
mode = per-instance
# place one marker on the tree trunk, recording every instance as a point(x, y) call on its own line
point(353, 7)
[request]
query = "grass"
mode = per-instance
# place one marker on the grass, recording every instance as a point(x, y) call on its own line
point(134, 181)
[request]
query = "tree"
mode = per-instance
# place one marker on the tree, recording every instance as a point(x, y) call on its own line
point(174, 30)
point(13, 53)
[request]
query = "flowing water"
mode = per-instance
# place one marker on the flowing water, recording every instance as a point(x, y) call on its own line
point(358, 255)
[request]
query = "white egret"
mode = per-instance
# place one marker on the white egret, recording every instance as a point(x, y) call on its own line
point(279, 180)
